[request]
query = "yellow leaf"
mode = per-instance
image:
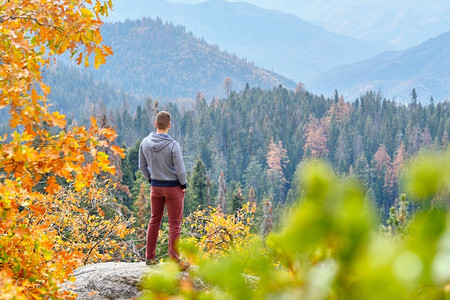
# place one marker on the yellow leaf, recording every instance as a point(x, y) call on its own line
point(46, 89)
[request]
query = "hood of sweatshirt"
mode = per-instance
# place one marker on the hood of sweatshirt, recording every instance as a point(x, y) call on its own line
point(158, 142)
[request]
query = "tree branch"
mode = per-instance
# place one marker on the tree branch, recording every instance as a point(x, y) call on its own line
point(100, 240)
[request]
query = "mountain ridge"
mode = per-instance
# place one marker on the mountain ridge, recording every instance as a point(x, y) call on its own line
point(162, 61)
point(400, 23)
point(272, 39)
point(425, 68)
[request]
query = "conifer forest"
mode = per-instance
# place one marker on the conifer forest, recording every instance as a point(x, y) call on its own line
point(259, 139)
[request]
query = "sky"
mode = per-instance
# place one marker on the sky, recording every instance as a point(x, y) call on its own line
point(282, 5)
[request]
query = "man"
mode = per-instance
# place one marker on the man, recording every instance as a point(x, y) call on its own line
point(161, 162)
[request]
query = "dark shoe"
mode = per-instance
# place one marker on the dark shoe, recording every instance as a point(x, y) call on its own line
point(151, 261)
point(183, 265)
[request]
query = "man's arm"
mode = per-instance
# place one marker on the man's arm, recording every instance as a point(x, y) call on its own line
point(143, 165)
point(179, 165)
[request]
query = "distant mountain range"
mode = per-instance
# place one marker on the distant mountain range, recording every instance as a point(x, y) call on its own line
point(425, 67)
point(402, 23)
point(162, 61)
point(271, 39)
point(159, 60)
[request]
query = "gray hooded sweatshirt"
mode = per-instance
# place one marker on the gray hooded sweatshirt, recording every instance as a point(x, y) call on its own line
point(161, 161)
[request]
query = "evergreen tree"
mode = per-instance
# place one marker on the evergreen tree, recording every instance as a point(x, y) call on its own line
point(362, 169)
point(198, 193)
point(382, 162)
point(444, 140)
point(267, 220)
point(132, 159)
point(393, 172)
point(221, 201)
point(333, 136)
point(276, 162)
point(342, 154)
point(413, 99)
point(315, 137)
point(252, 195)
point(128, 179)
point(254, 177)
point(237, 200)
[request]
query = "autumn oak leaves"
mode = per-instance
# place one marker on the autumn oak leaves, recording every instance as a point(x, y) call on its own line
point(42, 153)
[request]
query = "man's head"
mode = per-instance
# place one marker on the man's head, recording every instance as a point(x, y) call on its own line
point(162, 120)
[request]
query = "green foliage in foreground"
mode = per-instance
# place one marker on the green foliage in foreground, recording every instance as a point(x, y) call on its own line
point(330, 247)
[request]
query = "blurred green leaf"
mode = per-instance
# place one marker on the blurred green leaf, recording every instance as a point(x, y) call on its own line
point(163, 280)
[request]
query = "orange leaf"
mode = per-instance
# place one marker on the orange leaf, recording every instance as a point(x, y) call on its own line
point(118, 151)
point(79, 58)
point(52, 185)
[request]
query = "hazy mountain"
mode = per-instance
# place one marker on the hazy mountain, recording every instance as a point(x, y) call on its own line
point(403, 23)
point(425, 67)
point(162, 61)
point(272, 39)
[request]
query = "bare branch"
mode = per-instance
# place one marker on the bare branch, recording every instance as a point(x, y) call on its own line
point(100, 240)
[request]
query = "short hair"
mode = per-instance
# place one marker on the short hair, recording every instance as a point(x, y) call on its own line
point(162, 120)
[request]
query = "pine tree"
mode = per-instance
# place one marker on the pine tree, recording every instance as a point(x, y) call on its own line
point(208, 190)
point(382, 160)
point(143, 207)
point(333, 136)
point(252, 195)
point(444, 140)
point(393, 171)
point(267, 220)
point(300, 88)
point(237, 199)
point(227, 86)
point(413, 99)
point(132, 158)
point(254, 177)
point(342, 155)
point(425, 137)
point(221, 201)
point(315, 137)
point(339, 110)
point(362, 169)
point(370, 203)
point(414, 139)
point(198, 190)
point(277, 160)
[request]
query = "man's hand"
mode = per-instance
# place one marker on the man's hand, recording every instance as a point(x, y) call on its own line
point(184, 190)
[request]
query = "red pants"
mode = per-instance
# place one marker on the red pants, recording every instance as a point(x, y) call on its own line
point(173, 198)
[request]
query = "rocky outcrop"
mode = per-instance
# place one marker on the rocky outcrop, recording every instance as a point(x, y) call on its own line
point(121, 280)
point(111, 280)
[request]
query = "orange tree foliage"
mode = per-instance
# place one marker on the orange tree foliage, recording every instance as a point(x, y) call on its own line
point(277, 160)
point(42, 152)
point(315, 137)
point(91, 222)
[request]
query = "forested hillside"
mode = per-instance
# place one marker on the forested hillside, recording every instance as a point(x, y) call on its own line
point(76, 93)
point(258, 138)
point(162, 61)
